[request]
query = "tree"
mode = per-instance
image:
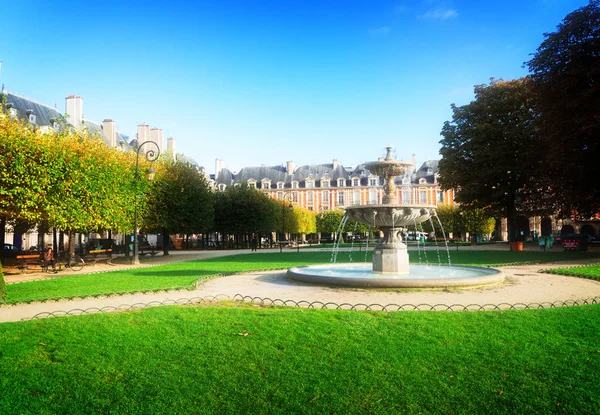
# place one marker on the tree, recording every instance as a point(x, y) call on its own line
point(487, 150)
point(566, 76)
point(476, 222)
point(179, 201)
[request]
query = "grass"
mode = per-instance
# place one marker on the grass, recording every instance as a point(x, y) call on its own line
point(589, 271)
point(183, 275)
point(251, 360)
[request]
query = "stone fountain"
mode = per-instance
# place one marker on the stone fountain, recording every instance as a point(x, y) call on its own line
point(390, 255)
point(390, 266)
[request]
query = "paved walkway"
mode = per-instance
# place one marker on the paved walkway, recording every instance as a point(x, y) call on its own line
point(523, 285)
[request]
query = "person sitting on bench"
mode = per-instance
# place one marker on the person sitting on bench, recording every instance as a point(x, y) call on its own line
point(49, 258)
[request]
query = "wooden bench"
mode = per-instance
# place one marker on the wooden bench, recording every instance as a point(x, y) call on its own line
point(95, 255)
point(35, 262)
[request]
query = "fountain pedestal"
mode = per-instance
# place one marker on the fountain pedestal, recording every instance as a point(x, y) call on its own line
point(390, 255)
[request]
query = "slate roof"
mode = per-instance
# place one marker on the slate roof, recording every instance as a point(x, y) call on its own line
point(46, 115)
point(316, 172)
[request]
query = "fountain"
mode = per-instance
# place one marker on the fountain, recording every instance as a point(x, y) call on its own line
point(390, 266)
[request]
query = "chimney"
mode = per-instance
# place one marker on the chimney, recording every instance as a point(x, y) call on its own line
point(74, 110)
point(109, 127)
point(291, 167)
point(336, 164)
point(414, 161)
point(171, 147)
point(156, 135)
point(143, 135)
point(218, 168)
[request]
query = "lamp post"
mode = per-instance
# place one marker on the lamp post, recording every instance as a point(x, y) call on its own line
point(286, 197)
point(150, 155)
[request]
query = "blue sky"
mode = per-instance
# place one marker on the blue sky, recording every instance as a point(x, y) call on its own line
point(264, 82)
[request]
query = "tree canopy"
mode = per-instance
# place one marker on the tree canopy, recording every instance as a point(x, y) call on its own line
point(566, 74)
point(489, 150)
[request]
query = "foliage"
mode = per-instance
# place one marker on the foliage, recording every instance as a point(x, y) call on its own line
point(488, 150)
point(476, 221)
point(329, 221)
point(447, 215)
point(591, 272)
point(566, 75)
point(68, 180)
point(180, 199)
point(244, 210)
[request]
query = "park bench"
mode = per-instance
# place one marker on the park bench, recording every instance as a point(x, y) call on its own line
point(34, 262)
point(96, 255)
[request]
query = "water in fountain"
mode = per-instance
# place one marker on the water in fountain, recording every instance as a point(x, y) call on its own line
point(390, 266)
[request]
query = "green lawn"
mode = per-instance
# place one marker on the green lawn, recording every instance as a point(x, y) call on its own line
point(183, 275)
point(251, 360)
point(590, 271)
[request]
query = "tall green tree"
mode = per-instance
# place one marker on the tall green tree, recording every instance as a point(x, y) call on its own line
point(566, 74)
point(243, 210)
point(488, 150)
point(179, 201)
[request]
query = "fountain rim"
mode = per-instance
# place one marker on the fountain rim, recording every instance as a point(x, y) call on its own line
point(489, 276)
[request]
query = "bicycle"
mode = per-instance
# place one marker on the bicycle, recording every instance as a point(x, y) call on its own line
point(74, 262)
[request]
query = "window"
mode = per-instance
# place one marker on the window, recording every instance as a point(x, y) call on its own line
point(13, 113)
point(422, 180)
point(280, 185)
point(356, 182)
point(324, 183)
point(356, 198)
point(266, 185)
point(279, 195)
point(55, 125)
point(406, 181)
point(406, 197)
point(325, 196)
point(222, 187)
point(32, 118)
point(440, 196)
point(309, 197)
point(341, 182)
point(295, 197)
point(310, 184)
point(294, 184)
point(372, 197)
point(422, 196)
point(252, 184)
point(373, 182)
point(340, 199)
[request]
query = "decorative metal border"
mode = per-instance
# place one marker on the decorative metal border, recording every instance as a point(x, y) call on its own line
point(320, 305)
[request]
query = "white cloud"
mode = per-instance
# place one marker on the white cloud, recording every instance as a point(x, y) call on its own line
point(380, 31)
point(440, 14)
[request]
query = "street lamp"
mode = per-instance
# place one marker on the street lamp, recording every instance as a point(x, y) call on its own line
point(150, 155)
point(286, 197)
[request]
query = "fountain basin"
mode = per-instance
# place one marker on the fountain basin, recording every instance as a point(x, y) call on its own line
point(419, 276)
point(390, 215)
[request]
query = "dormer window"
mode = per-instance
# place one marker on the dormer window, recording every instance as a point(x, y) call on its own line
point(55, 126)
point(372, 182)
point(294, 184)
point(356, 182)
point(324, 183)
point(221, 187)
point(252, 184)
point(13, 112)
point(266, 185)
point(422, 180)
point(310, 184)
point(341, 182)
point(280, 185)
point(30, 116)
